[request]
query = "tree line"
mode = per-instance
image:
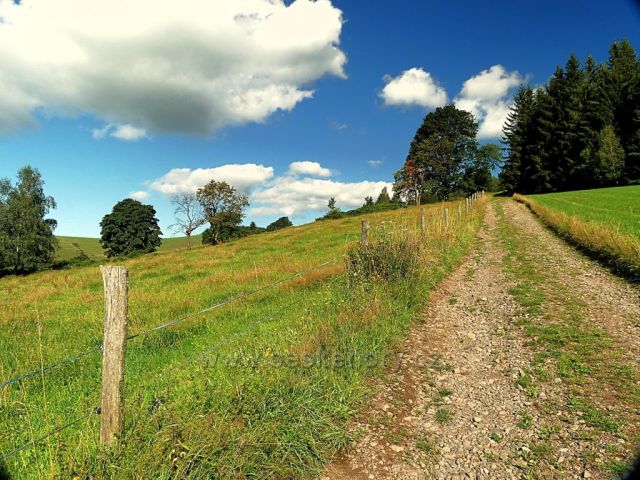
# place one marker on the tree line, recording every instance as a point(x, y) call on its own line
point(27, 241)
point(580, 130)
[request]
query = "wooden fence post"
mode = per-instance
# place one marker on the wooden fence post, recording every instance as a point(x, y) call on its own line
point(459, 209)
point(114, 346)
point(364, 237)
point(422, 224)
point(446, 216)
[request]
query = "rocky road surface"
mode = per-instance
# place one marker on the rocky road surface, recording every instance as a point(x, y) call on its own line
point(452, 407)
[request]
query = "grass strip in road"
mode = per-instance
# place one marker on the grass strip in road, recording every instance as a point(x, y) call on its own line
point(601, 383)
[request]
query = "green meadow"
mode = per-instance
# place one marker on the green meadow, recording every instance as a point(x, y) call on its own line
point(260, 388)
point(617, 207)
point(72, 247)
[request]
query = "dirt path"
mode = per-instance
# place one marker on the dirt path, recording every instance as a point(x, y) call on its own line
point(462, 401)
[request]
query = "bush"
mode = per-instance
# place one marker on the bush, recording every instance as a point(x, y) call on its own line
point(391, 256)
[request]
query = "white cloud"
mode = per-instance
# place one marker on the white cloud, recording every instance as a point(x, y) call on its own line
point(140, 195)
point(293, 196)
point(243, 177)
point(488, 95)
point(413, 87)
point(126, 132)
point(338, 126)
point(289, 194)
point(192, 66)
point(375, 163)
point(308, 168)
point(129, 132)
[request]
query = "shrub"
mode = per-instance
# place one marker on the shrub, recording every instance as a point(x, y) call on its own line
point(390, 256)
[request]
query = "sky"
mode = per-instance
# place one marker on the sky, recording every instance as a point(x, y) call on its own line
point(290, 102)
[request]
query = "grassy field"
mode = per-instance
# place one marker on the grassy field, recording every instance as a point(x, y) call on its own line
point(603, 222)
point(617, 208)
point(72, 247)
point(261, 388)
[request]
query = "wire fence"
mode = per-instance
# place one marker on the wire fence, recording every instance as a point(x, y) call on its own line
point(77, 357)
point(74, 358)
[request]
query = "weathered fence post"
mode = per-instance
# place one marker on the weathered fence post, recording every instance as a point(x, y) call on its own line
point(446, 216)
point(114, 346)
point(459, 209)
point(467, 204)
point(422, 224)
point(364, 237)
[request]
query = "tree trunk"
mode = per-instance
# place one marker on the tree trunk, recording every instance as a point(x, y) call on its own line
point(189, 240)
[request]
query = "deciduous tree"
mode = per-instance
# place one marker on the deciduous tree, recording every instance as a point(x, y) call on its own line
point(26, 235)
point(189, 214)
point(129, 229)
point(223, 207)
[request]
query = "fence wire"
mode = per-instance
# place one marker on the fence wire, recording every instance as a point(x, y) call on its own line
point(74, 358)
point(4, 456)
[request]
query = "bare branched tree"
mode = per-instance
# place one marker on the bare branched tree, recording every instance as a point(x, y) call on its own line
point(189, 214)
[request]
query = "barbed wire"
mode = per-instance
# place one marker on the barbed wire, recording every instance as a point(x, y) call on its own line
point(202, 354)
point(4, 456)
point(74, 358)
point(251, 326)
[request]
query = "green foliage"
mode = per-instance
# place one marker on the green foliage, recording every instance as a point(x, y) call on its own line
point(388, 257)
point(609, 160)
point(282, 222)
point(334, 211)
point(444, 159)
point(229, 233)
point(383, 197)
point(223, 207)
point(581, 130)
point(26, 236)
point(442, 149)
point(131, 228)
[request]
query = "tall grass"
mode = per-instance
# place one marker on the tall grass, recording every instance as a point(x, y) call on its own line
point(615, 247)
point(263, 388)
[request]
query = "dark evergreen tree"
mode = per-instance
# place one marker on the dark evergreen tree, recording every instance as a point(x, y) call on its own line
point(383, 197)
point(581, 130)
point(131, 228)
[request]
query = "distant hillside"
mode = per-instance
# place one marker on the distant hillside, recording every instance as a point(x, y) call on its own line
point(71, 247)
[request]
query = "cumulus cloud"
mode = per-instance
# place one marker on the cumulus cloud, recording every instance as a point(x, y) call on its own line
point(308, 168)
point(337, 126)
point(289, 194)
point(488, 96)
point(292, 196)
point(413, 87)
point(140, 195)
point(183, 180)
point(126, 132)
point(375, 163)
point(192, 66)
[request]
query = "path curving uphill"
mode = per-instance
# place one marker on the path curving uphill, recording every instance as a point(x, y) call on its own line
point(525, 366)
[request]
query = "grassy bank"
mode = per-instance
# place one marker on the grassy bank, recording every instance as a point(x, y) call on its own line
point(74, 247)
point(604, 229)
point(262, 388)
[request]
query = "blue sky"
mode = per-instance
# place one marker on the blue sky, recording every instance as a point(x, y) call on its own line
point(346, 127)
